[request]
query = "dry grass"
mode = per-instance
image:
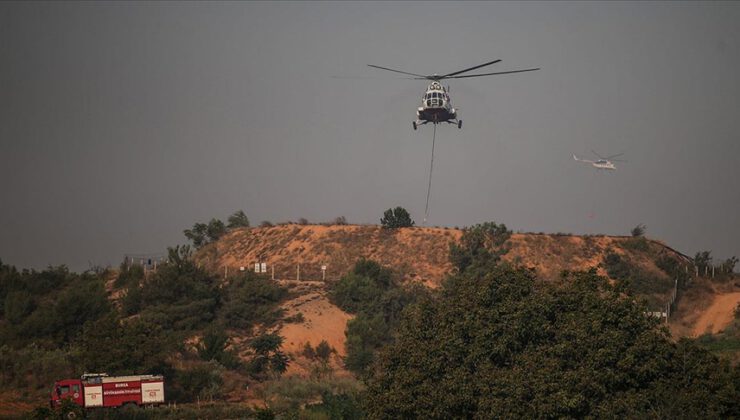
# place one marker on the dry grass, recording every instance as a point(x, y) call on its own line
point(418, 254)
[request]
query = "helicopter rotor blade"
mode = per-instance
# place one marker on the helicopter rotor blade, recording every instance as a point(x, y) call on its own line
point(399, 71)
point(598, 155)
point(373, 77)
point(613, 156)
point(466, 70)
point(490, 74)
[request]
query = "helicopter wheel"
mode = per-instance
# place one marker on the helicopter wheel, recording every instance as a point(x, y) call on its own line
point(459, 124)
point(414, 124)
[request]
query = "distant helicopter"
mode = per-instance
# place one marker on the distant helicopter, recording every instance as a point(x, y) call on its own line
point(436, 104)
point(605, 163)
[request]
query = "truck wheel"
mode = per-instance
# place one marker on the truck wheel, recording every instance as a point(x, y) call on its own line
point(71, 415)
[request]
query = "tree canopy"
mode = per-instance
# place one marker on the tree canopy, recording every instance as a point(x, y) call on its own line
point(497, 343)
point(396, 218)
point(237, 220)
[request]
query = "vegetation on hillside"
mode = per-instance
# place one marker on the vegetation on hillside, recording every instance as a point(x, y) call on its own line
point(494, 342)
point(55, 324)
point(396, 218)
point(204, 233)
point(482, 241)
point(373, 294)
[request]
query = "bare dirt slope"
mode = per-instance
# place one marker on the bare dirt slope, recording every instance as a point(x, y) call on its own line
point(320, 321)
point(719, 314)
point(418, 254)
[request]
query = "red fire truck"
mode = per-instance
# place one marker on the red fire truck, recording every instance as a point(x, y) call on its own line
point(101, 390)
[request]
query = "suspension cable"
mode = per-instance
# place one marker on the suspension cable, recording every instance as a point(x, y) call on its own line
point(431, 167)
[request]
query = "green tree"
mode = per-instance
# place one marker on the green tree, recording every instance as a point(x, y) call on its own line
point(202, 234)
point(214, 347)
point(18, 305)
point(130, 347)
point(180, 295)
point(267, 356)
point(479, 243)
point(371, 293)
point(197, 235)
point(638, 230)
point(201, 382)
point(237, 220)
point(324, 351)
point(250, 299)
point(703, 260)
point(396, 218)
point(501, 344)
point(729, 264)
point(129, 274)
point(215, 230)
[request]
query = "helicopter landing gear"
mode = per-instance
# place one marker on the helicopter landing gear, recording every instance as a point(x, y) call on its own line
point(459, 124)
point(414, 124)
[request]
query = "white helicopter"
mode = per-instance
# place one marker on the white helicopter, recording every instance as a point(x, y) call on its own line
point(603, 163)
point(436, 105)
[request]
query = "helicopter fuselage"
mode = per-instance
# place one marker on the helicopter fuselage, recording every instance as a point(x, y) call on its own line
point(604, 164)
point(436, 107)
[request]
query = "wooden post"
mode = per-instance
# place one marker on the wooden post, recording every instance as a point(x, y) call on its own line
point(712, 271)
point(298, 273)
point(226, 271)
point(272, 267)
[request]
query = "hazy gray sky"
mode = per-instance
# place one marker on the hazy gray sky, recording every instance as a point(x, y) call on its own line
point(121, 124)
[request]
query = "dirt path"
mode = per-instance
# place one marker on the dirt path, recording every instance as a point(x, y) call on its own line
point(718, 315)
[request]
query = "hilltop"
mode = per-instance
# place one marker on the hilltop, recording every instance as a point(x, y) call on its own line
point(421, 255)
point(418, 254)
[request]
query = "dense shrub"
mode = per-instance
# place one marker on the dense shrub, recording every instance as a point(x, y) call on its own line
point(480, 242)
point(131, 346)
point(238, 220)
point(396, 218)
point(501, 344)
point(129, 275)
point(638, 230)
point(268, 358)
point(616, 267)
point(201, 382)
point(214, 347)
point(180, 296)
point(202, 233)
point(637, 243)
point(250, 299)
point(371, 293)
